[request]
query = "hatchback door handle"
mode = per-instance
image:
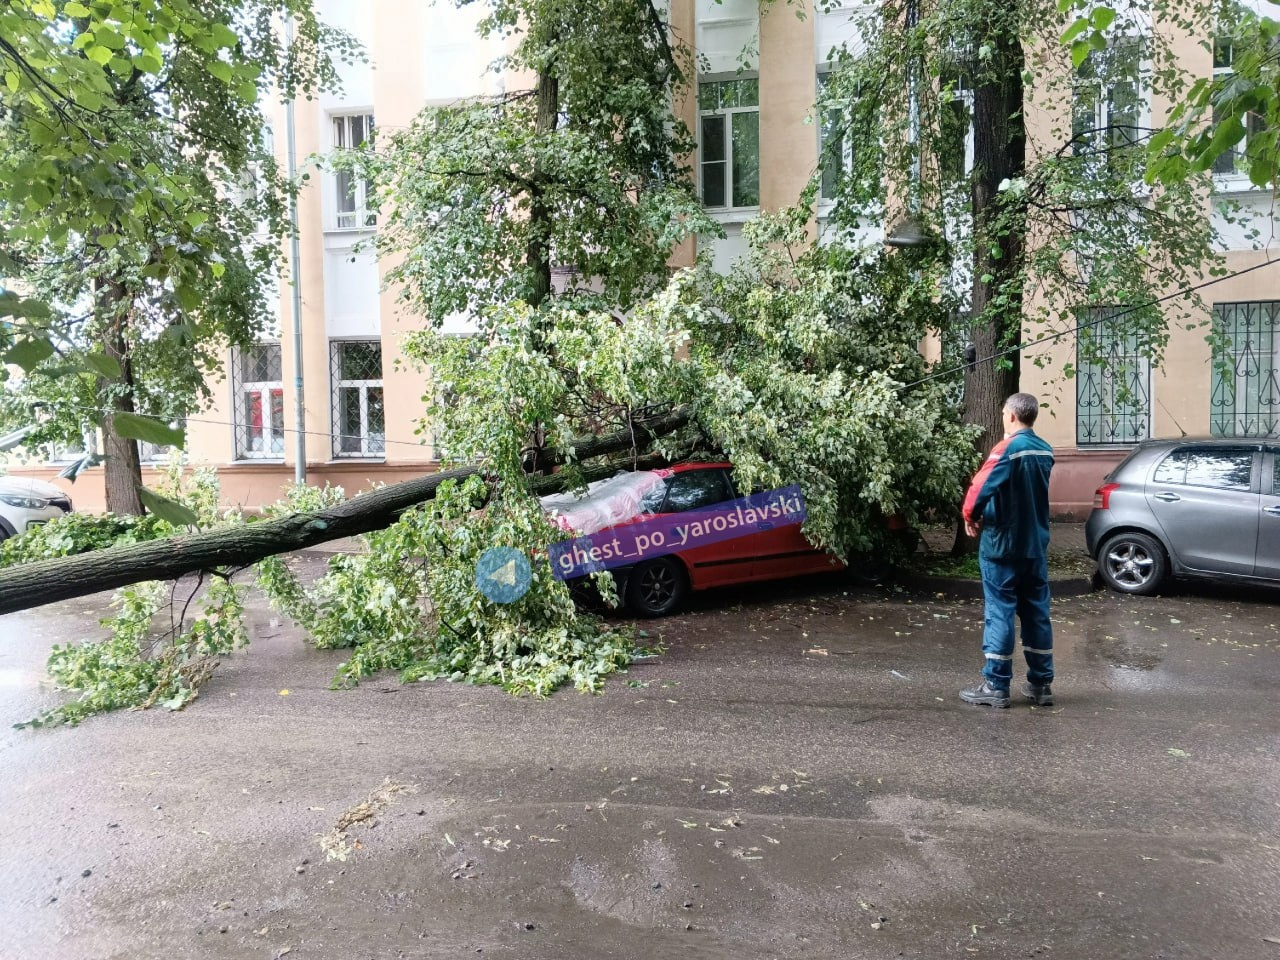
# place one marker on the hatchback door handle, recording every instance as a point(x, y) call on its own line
point(1274, 511)
point(1168, 497)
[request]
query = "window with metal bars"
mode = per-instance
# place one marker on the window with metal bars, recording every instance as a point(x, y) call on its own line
point(359, 418)
point(1113, 382)
point(1244, 399)
point(257, 393)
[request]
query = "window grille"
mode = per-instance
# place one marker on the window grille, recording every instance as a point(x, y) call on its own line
point(1113, 382)
point(1244, 399)
point(258, 394)
point(359, 417)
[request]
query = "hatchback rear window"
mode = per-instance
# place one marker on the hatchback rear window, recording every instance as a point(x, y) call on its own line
point(1222, 469)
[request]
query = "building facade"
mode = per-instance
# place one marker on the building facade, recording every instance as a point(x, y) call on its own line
point(759, 146)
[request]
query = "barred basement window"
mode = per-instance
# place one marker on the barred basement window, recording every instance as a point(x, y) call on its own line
point(359, 419)
point(1245, 396)
point(1113, 382)
point(258, 395)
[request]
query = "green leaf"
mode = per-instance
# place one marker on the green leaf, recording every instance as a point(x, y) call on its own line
point(1097, 41)
point(197, 218)
point(1073, 31)
point(74, 9)
point(133, 426)
point(188, 297)
point(104, 366)
point(224, 36)
point(221, 70)
point(12, 80)
point(168, 510)
point(29, 354)
point(99, 54)
point(1102, 17)
point(1079, 53)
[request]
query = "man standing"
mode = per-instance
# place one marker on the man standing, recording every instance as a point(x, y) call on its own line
point(1008, 502)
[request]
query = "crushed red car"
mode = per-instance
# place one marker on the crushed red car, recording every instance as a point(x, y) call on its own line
point(658, 584)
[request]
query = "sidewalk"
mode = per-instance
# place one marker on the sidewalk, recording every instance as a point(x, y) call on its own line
point(1064, 539)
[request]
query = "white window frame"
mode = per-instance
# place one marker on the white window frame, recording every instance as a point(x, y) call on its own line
point(371, 445)
point(1236, 178)
point(363, 216)
point(826, 200)
point(728, 114)
point(1103, 95)
point(263, 388)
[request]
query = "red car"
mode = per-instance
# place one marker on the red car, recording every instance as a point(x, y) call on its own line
point(659, 585)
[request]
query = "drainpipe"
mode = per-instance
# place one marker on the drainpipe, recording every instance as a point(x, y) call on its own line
point(299, 402)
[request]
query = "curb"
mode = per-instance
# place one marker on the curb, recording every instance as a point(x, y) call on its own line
point(967, 589)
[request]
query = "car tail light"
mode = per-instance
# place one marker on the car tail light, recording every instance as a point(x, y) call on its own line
point(1102, 496)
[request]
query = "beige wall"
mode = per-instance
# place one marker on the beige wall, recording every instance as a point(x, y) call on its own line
point(788, 87)
point(398, 85)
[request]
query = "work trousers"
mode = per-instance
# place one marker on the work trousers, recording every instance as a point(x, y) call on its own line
point(1016, 587)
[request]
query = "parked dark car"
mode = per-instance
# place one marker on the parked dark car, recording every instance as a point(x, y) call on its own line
point(1189, 508)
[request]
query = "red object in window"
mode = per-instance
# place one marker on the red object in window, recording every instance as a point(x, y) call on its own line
point(1102, 496)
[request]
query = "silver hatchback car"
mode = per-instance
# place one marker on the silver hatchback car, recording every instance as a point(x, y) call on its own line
point(1188, 508)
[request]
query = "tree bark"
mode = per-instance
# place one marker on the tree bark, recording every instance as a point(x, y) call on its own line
point(122, 467)
point(999, 154)
point(538, 251)
point(48, 581)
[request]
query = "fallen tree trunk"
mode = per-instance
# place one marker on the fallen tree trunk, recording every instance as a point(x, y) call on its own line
point(48, 581)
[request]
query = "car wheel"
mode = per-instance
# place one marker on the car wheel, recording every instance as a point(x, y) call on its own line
point(1133, 563)
point(657, 587)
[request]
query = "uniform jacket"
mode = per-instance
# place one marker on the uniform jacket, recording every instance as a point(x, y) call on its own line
point(1010, 493)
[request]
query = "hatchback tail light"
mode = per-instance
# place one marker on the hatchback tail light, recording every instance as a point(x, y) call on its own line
point(1102, 496)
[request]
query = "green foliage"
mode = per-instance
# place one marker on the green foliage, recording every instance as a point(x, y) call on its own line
point(1210, 116)
point(140, 203)
point(806, 382)
point(410, 603)
point(478, 194)
point(155, 653)
point(1078, 226)
point(76, 533)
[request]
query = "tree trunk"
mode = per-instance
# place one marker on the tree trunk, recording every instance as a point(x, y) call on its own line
point(999, 154)
point(538, 250)
point(48, 581)
point(122, 468)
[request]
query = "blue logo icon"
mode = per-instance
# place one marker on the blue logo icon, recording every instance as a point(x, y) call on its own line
point(503, 574)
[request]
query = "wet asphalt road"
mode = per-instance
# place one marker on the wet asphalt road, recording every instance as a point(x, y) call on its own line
point(794, 777)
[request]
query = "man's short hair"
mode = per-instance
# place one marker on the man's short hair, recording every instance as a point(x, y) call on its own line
point(1023, 406)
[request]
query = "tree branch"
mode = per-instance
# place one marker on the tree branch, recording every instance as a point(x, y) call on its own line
point(48, 581)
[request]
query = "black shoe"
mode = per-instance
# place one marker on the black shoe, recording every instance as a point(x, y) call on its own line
point(986, 695)
point(1041, 694)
